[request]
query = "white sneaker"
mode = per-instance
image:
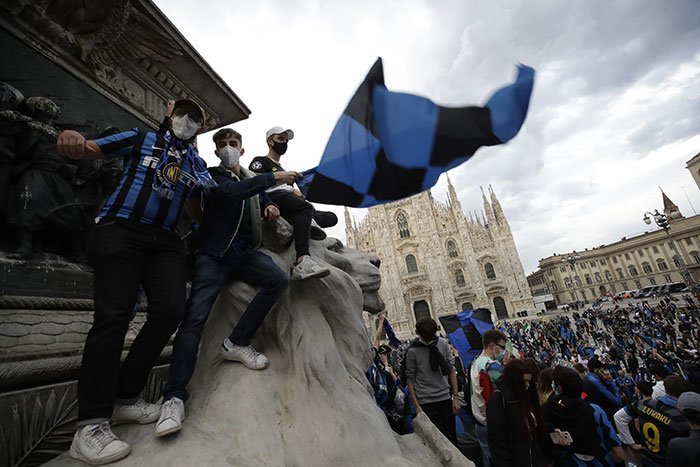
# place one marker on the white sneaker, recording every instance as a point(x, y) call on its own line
point(172, 414)
point(307, 268)
point(244, 354)
point(140, 412)
point(97, 445)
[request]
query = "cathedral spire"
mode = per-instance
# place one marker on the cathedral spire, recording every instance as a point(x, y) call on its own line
point(487, 208)
point(348, 220)
point(670, 209)
point(497, 209)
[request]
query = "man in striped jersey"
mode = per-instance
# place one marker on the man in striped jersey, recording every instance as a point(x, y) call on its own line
point(134, 243)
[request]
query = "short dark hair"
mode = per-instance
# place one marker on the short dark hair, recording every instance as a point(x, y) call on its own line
point(227, 133)
point(676, 385)
point(570, 382)
point(580, 368)
point(594, 364)
point(645, 387)
point(426, 328)
point(493, 335)
point(659, 370)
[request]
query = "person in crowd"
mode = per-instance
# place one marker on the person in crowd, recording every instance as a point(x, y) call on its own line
point(659, 421)
point(685, 452)
point(293, 207)
point(516, 430)
point(581, 370)
point(431, 378)
point(230, 233)
point(583, 435)
point(601, 389)
point(134, 242)
point(484, 371)
point(544, 385)
point(659, 372)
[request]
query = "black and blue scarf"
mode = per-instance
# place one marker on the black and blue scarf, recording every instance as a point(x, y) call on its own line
point(170, 163)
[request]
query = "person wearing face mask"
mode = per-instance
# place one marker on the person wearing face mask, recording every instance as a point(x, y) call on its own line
point(231, 230)
point(601, 388)
point(134, 243)
point(590, 437)
point(484, 371)
point(293, 207)
point(516, 430)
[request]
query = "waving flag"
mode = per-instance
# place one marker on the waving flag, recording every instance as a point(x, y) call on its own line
point(464, 331)
point(388, 145)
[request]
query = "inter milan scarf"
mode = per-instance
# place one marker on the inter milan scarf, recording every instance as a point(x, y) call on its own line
point(388, 145)
point(169, 168)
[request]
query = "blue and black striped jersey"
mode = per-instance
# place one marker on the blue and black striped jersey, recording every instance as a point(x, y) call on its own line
point(134, 198)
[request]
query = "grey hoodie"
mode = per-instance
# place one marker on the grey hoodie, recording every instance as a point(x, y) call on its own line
point(430, 385)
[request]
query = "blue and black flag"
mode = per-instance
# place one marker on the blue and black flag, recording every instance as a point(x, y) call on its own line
point(388, 145)
point(464, 331)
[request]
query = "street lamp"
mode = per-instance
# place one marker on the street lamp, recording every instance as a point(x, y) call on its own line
point(662, 221)
point(571, 259)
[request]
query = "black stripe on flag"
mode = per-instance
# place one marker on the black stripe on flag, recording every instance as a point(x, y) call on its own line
point(391, 182)
point(450, 323)
point(334, 192)
point(460, 132)
point(361, 106)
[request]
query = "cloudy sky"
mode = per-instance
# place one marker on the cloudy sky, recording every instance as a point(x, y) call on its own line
point(614, 114)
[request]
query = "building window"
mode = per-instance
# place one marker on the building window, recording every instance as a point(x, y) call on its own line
point(562, 269)
point(652, 281)
point(654, 249)
point(646, 267)
point(488, 269)
point(583, 265)
point(567, 283)
point(578, 281)
point(661, 264)
point(411, 264)
point(602, 261)
point(588, 279)
point(459, 278)
point(421, 310)
point(608, 276)
point(688, 241)
point(553, 285)
point(624, 286)
point(696, 256)
point(615, 259)
point(627, 256)
point(402, 223)
point(633, 270)
point(592, 264)
point(620, 274)
point(467, 306)
point(677, 261)
point(500, 306)
point(641, 253)
point(597, 277)
point(452, 249)
point(638, 283)
point(667, 278)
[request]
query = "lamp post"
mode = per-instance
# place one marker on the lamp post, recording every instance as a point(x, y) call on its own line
point(571, 260)
point(662, 221)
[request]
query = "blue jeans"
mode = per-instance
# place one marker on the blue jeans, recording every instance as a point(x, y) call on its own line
point(210, 275)
point(482, 434)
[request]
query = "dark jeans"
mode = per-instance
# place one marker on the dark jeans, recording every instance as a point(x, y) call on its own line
point(210, 275)
point(123, 256)
point(440, 413)
point(297, 212)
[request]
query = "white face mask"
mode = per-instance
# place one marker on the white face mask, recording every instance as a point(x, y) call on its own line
point(184, 127)
point(230, 156)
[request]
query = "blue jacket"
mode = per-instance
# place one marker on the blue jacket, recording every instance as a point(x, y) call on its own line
point(223, 208)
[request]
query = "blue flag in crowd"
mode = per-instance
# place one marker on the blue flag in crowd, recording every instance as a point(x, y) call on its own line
point(388, 145)
point(390, 335)
point(464, 331)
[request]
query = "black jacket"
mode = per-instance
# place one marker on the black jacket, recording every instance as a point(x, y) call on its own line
point(223, 208)
point(510, 442)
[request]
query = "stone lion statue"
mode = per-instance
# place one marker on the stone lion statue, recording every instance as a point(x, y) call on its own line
point(313, 405)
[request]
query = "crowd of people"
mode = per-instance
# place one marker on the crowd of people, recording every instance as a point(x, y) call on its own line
point(601, 387)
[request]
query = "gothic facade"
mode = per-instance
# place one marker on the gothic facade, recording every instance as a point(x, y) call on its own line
point(435, 261)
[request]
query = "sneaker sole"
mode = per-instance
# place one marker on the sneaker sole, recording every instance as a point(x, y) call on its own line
point(235, 359)
point(107, 460)
point(314, 275)
point(145, 421)
point(170, 431)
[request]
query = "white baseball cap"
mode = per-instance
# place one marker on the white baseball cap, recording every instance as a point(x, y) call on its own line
point(278, 130)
